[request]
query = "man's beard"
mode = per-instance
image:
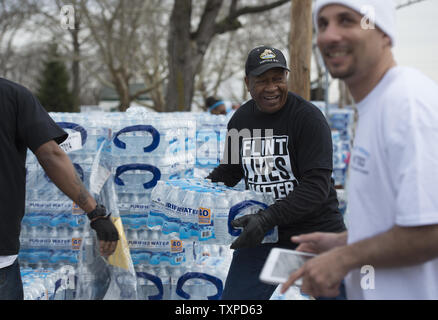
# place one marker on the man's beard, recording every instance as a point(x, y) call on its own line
point(342, 75)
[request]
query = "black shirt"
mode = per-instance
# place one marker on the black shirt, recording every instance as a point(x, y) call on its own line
point(289, 154)
point(24, 123)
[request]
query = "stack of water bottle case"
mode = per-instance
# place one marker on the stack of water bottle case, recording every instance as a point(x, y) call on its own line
point(177, 236)
point(175, 222)
point(342, 123)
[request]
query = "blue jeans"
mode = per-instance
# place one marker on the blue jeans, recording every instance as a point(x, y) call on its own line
point(243, 277)
point(11, 287)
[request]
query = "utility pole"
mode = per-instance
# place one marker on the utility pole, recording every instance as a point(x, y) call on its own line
point(300, 45)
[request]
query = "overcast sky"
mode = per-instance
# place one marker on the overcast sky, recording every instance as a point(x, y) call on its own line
point(417, 37)
point(416, 43)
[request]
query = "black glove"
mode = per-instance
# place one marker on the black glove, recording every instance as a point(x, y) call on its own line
point(255, 227)
point(105, 229)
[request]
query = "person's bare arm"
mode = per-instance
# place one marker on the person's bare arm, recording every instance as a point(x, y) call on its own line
point(397, 247)
point(61, 171)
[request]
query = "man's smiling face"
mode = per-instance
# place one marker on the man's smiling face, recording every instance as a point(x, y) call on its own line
point(349, 51)
point(269, 90)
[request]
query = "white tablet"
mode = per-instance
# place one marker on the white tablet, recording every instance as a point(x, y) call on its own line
point(281, 263)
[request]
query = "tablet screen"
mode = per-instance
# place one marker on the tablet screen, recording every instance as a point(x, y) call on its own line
point(286, 264)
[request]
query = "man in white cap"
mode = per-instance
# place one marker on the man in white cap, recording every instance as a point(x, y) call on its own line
point(390, 249)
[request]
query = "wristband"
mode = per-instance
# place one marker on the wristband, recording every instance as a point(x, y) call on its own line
point(98, 212)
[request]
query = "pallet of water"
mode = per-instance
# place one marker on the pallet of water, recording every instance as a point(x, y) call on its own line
point(201, 210)
point(202, 279)
point(48, 283)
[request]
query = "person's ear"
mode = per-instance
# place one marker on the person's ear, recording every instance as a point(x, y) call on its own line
point(247, 83)
point(387, 40)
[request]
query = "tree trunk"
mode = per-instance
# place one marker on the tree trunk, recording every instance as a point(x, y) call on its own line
point(301, 47)
point(121, 85)
point(124, 97)
point(186, 49)
point(125, 100)
point(180, 56)
point(76, 89)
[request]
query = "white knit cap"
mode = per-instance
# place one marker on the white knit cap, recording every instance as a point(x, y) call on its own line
point(380, 12)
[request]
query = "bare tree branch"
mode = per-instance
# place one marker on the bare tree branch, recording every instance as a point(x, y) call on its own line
point(233, 8)
point(408, 3)
point(258, 9)
point(231, 22)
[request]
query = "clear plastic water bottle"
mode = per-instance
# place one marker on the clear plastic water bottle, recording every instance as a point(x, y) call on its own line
point(243, 204)
point(197, 283)
point(88, 281)
point(157, 208)
point(207, 209)
point(173, 202)
point(29, 291)
point(220, 219)
point(235, 197)
point(164, 276)
point(49, 282)
point(127, 284)
point(189, 215)
point(153, 284)
point(141, 282)
point(175, 274)
point(154, 235)
point(190, 251)
point(66, 277)
point(142, 234)
point(131, 235)
point(33, 290)
point(38, 283)
point(217, 273)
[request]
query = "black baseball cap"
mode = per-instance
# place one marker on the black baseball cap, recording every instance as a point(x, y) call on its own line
point(262, 59)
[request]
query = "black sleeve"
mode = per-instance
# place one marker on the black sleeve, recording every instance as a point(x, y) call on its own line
point(229, 172)
point(314, 148)
point(35, 126)
point(312, 191)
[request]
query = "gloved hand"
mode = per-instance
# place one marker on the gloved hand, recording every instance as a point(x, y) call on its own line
point(105, 229)
point(107, 235)
point(255, 227)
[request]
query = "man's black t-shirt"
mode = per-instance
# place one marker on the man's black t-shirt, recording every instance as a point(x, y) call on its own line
point(288, 154)
point(23, 124)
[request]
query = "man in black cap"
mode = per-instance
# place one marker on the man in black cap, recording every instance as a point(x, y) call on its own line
point(283, 147)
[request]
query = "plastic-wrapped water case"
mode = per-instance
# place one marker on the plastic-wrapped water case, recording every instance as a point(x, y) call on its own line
point(201, 210)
